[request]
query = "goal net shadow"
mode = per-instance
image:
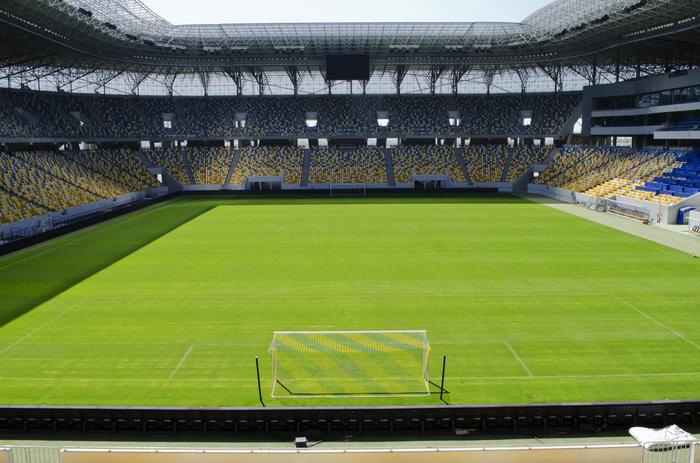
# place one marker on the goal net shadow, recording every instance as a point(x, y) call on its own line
point(350, 364)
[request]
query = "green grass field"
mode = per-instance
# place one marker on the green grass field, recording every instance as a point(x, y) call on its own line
point(170, 305)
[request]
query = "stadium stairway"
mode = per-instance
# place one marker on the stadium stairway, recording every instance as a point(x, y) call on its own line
point(509, 163)
point(234, 164)
point(521, 183)
point(306, 168)
point(186, 163)
point(463, 165)
point(389, 163)
point(168, 180)
point(144, 160)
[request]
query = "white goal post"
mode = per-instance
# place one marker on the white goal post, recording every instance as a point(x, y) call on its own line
point(344, 189)
point(323, 364)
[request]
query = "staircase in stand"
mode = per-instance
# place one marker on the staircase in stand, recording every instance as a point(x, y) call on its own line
point(509, 163)
point(186, 163)
point(389, 163)
point(463, 165)
point(306, 168)
point(234, 164)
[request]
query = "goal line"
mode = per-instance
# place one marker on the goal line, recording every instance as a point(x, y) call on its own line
point(347, 189)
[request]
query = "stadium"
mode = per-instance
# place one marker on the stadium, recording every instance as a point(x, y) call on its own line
point(459, 241)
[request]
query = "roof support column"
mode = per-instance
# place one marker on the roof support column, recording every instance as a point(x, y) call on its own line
point(434, 75)
point(260, 78)
point(205, 78)
point(398, 77)
point(457, 73)
point(295, 78)
point(237, 77)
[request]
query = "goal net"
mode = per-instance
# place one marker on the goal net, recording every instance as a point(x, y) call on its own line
point(348, 189)
point(349, 363)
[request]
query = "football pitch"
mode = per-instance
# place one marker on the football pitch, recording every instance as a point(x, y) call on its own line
point(170, 305)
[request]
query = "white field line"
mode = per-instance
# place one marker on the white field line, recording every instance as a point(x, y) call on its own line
point(349, 285)
point(662, 325)
point(466, 341)
point(461, 378)
point(182, 360)
point(520, 360)
point(42, 326)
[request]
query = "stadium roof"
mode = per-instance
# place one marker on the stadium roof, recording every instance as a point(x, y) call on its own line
point(126, 35)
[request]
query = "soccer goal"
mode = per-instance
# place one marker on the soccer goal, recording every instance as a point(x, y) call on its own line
point(322, 364)
point(348, 189)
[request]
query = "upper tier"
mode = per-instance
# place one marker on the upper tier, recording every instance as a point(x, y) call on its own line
point(32, 115)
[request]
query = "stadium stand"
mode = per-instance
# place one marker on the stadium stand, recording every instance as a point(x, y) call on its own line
point(342, 116)
point(172, 161)
point(210, 165)
point(410, 160)
point(38, 182)
point(359, 165)
point(524, 157)
point(52, 115)
point(62, 167)
point(117, 165)
point(610, 172)
point(14, 207)
point(269, 161)
point(681, 182)
point(485, 163)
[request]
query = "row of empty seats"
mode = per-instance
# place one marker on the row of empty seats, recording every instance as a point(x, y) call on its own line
point(38, 182)
point(173, 161)
point(425, 160)
point(485, 163)
point(524, 157)
point(611, 172)
point(336, 165)
point(210, 166)
point(365, 164)
point(269, 161)
point(49, 115)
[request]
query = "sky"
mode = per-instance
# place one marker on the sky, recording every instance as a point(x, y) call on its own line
point(237, 11)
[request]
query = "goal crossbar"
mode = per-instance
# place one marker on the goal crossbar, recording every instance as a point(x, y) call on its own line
point(308, 364)
point(347, 188)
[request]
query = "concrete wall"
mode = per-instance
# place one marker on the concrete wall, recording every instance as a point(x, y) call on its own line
point(559, 194)
point(620, 453)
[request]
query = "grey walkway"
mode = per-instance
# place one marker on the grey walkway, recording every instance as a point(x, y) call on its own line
point(659, 234)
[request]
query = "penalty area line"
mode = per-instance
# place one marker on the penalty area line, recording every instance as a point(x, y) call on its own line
point(662, 325)
point(182, 360)
point(43, 325)
point(520, 360)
